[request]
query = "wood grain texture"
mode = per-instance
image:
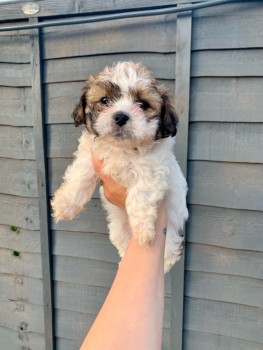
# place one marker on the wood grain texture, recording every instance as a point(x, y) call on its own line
point(206, 341)
point(15, 47)
point(19, 211)
point(226, 99)
point(84, 245)
point(16, 107)
point(229, 185)
point(15, 74)
point(62, 140)
point(18, 177)
point(182, 99)
point(237, 229)
point(227, 288)
point(224, 319)
point(15, 339)
point(15, 314)
point(17, 142)
point(230, 142)
point(227, 63)
point(26, 264)
point(84, 271)
point(111, 37)
point(66, 269)
point(228, 28)
point(78, 68)
point(204, 258)
point(21, 289)
point(21, 240)
point(91, 220)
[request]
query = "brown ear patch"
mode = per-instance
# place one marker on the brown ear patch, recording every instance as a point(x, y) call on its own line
point(79, 114)
point(168, 117)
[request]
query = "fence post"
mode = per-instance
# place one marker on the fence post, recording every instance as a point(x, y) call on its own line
point(40, 151)
point(182, 94)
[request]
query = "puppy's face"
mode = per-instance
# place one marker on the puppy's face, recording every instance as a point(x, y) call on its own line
point(124, 105)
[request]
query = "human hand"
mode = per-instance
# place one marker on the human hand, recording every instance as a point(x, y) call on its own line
point(113, 192)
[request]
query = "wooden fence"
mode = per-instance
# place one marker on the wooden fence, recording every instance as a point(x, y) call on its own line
point(54, 278)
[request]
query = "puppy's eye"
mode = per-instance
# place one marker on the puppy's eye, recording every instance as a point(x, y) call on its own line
point(143, 104)
point(104, 100)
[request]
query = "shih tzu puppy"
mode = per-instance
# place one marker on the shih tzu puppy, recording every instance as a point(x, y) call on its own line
point(130, 124)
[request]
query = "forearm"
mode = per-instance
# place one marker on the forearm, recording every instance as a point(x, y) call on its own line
point(132, 315)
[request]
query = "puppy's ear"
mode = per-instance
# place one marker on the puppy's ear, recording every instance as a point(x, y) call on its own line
point(168, 117)
point(79, 114)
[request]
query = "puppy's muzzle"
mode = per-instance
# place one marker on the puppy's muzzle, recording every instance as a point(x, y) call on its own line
point(121, 118)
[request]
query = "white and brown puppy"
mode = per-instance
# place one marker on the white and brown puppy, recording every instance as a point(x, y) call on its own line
point(130, 125)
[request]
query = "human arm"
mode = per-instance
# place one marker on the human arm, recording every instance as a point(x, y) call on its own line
point(132, 315)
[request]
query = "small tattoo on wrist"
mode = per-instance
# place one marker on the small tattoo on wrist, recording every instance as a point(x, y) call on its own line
point(165, 231)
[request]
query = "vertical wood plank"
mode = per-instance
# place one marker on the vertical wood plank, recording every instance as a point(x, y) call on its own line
point(40, 150)
point(182, 93)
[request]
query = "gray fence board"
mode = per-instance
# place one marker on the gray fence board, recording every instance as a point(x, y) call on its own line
point(226, 99)
point(26, 264)
point(84, 245)
point(220, 318)
point(13, 339)
point(85, 271)
point(17, 142)
point(14, 48)
point(233, 142)
point(111, 37)
point(21, 289)
point(16, 106)
point(237, 229)
point(21, 174)
point(227, 63)
point(71, 69)
point(225, 261)
point(90, 220)
point(229, 185)
point(15, 313)
point(227, 30)
point(19, 211)
point(62, 140)
point(227, 288)
point(15, 74)
point(234, 9)
point(22, 240)
point(205, 341)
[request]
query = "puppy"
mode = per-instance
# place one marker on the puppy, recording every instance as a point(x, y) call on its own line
point(130, 124)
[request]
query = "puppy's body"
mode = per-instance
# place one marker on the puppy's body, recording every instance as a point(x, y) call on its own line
point(127, 133)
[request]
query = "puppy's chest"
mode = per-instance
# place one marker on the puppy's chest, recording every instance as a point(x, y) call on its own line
point(122, 167)
point(131, 167)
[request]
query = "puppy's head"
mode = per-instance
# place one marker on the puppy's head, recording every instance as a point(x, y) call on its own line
point(125, 104)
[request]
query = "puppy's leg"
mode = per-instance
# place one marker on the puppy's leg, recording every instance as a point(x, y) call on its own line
point(118, 224)
point(142, 209)
point(176, 215)
point(174, 246)
point(78, 186)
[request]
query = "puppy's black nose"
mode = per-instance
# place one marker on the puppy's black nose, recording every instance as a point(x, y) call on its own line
point(120, 118)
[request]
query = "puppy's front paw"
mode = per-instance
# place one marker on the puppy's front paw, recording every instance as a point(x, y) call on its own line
point(63, 210)
point(144, 233)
